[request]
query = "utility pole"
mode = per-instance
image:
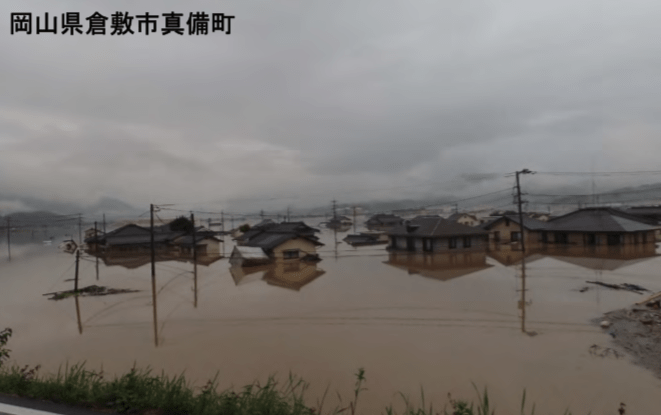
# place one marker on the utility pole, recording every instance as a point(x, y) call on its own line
point(80, 323)
point(104, 223)
point(523, 249)
point(222, 221)
point(96, 247)
point(153, 271)
point(9, 238)
point(288, 217)
point(354, 219)
point(80, 229)
point(192, 219)
point(456, 208)
point(75, 284)
point(334, 212)
point(232, 219)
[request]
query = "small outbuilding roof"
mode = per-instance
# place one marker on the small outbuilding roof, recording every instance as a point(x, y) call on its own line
point(249, 252)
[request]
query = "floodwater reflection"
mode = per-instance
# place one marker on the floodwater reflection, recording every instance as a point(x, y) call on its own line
point(359, 311)
point(603, 258)
point(292, 275)
point(442, 267)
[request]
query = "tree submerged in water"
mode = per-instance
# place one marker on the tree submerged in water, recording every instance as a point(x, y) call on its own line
point(182, 224)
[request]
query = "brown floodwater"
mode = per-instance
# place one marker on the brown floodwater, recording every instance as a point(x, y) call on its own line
point(436, 322)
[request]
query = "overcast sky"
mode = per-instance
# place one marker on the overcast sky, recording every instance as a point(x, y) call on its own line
point(311, 100)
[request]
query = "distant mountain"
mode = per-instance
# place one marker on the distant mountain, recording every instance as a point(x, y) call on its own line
point(111, 207)
point(38, 218)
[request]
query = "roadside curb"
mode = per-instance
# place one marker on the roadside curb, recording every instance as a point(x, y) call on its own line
point(14, 405)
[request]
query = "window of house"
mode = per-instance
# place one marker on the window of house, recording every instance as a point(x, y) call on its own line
point(427, 244)
point(507, 222)
point(452, 243)
point(590, 239)
point(561, 238)
point(290, 254)
point(613, 239)
point(644, 238)
point(467, 242)
point(515, 236)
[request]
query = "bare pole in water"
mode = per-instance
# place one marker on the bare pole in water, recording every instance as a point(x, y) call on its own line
point(80, 323)
point(153, 273)
point(192, 219)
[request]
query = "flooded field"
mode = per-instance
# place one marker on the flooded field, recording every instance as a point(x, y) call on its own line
point(437, 322)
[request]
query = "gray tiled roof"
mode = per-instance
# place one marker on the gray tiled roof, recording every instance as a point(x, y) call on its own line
point(600, 220)
point(435, 226)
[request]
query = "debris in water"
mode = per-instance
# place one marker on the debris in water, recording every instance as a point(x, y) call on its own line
point(629, 287)
point(92, 290)
point(604, 352)
point(605, 324)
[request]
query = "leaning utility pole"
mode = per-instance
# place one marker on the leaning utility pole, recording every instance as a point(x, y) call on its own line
point(153, 271)
point(9, 238)
point(192, 219)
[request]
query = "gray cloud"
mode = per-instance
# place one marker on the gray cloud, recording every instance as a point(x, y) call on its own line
point(309, 99)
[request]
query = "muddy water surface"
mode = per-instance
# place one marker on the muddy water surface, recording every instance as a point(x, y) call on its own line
point(439, 323)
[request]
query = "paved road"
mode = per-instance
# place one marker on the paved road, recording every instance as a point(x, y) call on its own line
point(11, 405)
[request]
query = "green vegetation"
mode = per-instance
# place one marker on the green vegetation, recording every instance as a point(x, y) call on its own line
point(244, 228)
point(140, 392)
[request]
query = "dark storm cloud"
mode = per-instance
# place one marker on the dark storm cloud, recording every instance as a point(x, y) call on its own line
point(318, 97)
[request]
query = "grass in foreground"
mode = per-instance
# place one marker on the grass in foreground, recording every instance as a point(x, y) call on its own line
point(140, 392)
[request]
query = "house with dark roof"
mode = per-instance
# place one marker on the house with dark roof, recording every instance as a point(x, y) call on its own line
point(464, 219)
point(436, 234)
point(383, 221)
point(600, 226)
point(287, 240)
point(135, 239)
point(507, 229)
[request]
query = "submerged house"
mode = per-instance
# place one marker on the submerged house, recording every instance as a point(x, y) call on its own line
point(287, 240)
point(600, 226)
point(135, 239)
point(436, 234)
point(383, 221)
point(366, 238)
point(339, 222)
point(507, 229)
